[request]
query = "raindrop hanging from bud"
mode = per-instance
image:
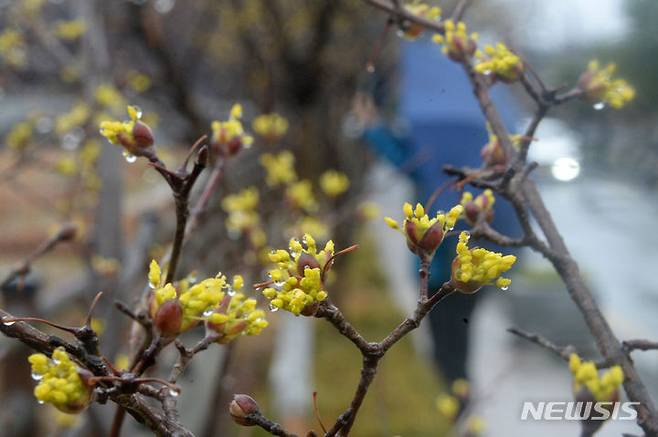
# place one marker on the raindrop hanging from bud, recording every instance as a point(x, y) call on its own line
point(599, 106)
point(130, 158)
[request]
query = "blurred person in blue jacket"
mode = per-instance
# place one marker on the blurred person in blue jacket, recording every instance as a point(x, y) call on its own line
point(443, 125)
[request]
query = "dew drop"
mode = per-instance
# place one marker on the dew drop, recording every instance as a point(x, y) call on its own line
point(273, 308)
point(173, 392)
point(599, 106)
point(37, 376)
point(505, 288)
point(130, 158)
point(138, 111)
point(151, 285)
point(40, 402)
point(231, 291)
point(207, 313)
point(9, 323)
point(370, 67)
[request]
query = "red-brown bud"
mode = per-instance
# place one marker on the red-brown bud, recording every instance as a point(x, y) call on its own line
point(305, 260)
point(310, 310)
point(67, 232)
point(241, 407)
point(143, 135)
point(169, 318)
point(432, 238)
point(493, 154)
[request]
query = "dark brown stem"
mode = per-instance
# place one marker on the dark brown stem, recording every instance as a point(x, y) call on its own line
point(373, 352)
point(133, 404)
point(182, 214)
point(272, 427)
point(186, 355)
point(561, 351)
point(639, 345)
point(66, 233)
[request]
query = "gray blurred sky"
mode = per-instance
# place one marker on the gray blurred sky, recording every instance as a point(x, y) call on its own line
point(556, 24)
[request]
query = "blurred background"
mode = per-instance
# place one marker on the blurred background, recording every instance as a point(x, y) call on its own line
point(66, 65)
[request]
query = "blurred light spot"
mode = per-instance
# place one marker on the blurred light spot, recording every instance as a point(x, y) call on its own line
point(164, 6)
point(565, 169)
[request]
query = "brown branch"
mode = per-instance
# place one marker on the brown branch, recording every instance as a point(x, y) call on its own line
point(66, 233)
point(561, 351)
point(186, 355)
point(372, 353)
point(272, 427)
point(640, 345)
point(122, 396)
point(460, 10)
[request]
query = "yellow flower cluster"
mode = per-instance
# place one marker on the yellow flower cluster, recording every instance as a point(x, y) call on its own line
point(241, 209)
point(458, 45)
point(334, 183)
point(177, 308)
point(31, 7)
point(448, 406)
point(280, 169)
point(499, 61)
point(424, 234)
point(12, 48)
point(134, 135)
point(139, 82)
point(475, 425)
point(601, 87)
point(369, 210)
point(475, 268)
point(482, 204)
point(300, 194)
point(423, 10)
point(230, 134)
point(20, 134)
point(298, 277)
point(60, 383)
point(585, 374)
point(311, 225)
point(236, 315)
point(108, 96)
point(118, 131)
point(76, 117)
point(70, 30)
point(270, 126)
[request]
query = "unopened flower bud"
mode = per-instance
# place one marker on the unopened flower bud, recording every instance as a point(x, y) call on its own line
point(493, 153)
point(306, 261)
point(67, 232)
point(241, 407)
point(169, 318)
point(143, 135)
point(481, 205)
